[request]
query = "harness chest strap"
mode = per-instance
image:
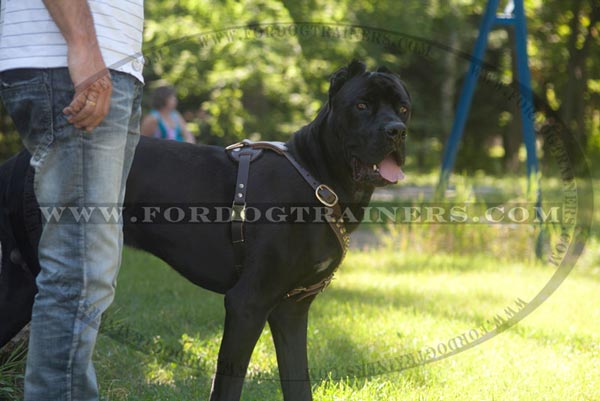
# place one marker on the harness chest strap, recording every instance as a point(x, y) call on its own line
point(247, 151)
point(238, 209)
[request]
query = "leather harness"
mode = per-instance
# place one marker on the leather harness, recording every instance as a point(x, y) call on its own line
point(244, 153)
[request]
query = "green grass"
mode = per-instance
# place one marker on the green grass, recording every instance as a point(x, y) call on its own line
point(423, 285)
point(382, 304)
point(12, 367)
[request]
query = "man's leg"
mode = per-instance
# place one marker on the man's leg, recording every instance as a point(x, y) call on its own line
point(79, 261)
point(133, 137)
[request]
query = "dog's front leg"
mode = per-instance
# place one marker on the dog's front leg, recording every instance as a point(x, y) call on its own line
point(245, 317)
point(288, 322)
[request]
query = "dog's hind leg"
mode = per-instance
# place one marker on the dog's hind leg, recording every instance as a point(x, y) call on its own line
point(288, 322)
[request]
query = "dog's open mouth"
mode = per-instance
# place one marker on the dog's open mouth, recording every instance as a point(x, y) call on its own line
point(387, 171)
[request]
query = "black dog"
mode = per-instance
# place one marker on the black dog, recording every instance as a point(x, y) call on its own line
point(356, 143)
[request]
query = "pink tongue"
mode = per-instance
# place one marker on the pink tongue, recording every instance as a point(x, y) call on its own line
point(390, 170)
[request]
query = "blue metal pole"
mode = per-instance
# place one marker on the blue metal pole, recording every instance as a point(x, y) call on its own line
point(466, 96)
point(526, 97)
point(527, 117)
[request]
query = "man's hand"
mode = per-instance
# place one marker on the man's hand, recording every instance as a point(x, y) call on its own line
point(90, 77)
point(93, 87)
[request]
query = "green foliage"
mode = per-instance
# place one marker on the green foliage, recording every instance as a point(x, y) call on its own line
point(257, 77)
point(260, 68)
point(10, 142)
point(12, 369)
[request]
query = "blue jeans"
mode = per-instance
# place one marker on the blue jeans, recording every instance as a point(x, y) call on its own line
point(79, 259)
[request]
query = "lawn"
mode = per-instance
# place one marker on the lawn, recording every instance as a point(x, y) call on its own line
point(403, 290)
point(161, 336)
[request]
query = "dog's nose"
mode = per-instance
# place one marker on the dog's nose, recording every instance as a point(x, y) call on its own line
point(395, 129)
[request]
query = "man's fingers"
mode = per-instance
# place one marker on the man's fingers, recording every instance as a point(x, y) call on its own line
point(87, 110)
point(106, 103)
point(104, 84)
point(91, 105)
point(76, 105)
point(100, 111)
point(92, 122)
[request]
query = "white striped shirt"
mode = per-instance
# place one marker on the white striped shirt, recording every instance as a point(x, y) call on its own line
point(29, 37)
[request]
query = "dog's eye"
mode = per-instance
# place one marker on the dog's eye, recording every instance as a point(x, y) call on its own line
point(362, 106)
point(403, 110)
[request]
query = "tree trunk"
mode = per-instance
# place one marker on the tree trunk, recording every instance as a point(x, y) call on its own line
point(448, 87)
point(512, 135)
point(572, 110)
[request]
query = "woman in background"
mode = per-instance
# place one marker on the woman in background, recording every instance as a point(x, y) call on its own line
point(164, 121)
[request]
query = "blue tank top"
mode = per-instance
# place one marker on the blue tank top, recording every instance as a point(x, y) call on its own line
point(164, 131)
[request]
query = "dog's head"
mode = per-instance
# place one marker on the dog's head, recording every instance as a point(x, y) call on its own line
point(369, 113)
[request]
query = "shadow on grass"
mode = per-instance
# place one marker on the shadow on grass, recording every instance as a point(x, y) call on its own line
point(341, 354)
point(437, 303)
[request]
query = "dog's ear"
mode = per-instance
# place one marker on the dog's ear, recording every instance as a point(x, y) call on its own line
point(343, 75)
point(336, 81)
point(356, 67)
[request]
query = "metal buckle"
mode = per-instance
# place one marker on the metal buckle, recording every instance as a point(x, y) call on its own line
point(322, 200)
point(235, 145)
point(238, 212)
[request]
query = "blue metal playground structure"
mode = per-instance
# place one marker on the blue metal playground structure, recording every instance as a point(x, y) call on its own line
point(513, 14)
